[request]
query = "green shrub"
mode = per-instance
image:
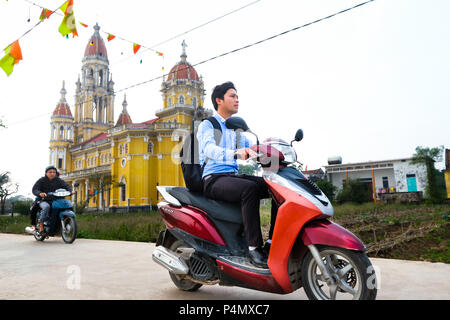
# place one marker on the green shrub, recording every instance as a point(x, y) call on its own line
point(22, 207)
point(354, 191)
point(328, 188)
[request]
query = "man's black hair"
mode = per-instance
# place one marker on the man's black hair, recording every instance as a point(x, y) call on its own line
point(219, 91)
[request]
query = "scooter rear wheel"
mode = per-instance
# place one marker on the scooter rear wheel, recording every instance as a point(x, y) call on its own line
point(179, 280)
point(353, 274)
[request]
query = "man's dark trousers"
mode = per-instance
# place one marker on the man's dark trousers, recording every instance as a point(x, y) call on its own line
point(248, 190)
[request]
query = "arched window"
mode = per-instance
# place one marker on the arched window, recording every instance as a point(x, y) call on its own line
point(169, 101)
point(194, 101)
point(53, 132)
point(100, 78)
point(60, 159)
point(61, 132)
point(126, 148)
point(150, 147)
point(123, 190)
point(69, 134)
point(181, 100)
point(120, 149)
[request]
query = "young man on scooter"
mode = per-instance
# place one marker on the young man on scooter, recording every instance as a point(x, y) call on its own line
point(220, 178)
point(49, 183)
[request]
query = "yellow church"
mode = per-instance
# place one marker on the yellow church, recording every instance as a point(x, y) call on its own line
point(117, 164)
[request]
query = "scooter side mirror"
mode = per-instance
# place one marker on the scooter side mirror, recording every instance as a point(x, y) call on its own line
point(235, 123)
point(298, 135)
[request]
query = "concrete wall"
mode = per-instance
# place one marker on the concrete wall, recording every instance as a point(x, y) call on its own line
point(338, 177)
point(396, 176)
point(402, 168)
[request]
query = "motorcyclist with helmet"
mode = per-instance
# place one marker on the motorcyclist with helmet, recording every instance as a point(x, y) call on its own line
point(48, 183)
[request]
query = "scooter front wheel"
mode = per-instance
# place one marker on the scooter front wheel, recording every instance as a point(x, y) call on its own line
point(353, 276)
point(180, 281)
point(69, 229)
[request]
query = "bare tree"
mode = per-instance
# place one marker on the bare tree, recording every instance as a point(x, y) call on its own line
point(101, 183)
point(7, 188)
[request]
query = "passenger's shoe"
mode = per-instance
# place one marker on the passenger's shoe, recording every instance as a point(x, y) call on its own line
point(266, 248)
point(30, 230)
point(258, 257)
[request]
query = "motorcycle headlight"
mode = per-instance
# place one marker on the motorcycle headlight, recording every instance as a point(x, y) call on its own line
point(287, 151)
point(320, 202)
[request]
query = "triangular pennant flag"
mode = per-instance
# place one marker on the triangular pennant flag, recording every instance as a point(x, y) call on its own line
point(45, 14)
point(136, 47)
point(159, 53)
point(84, 25)
point(68, 24)
point(13, 54)
point(110, 36)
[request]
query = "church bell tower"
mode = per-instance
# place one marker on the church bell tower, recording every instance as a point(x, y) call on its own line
point(94, 97)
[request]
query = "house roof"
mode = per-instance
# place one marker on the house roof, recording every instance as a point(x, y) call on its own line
point(151, 121)
point(376, 162)
point(98, 137)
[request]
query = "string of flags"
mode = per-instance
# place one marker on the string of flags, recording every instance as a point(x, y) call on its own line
point(13, 53)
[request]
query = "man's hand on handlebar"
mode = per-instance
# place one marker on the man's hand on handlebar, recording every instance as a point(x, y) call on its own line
point(42, 194)
point(245, 153)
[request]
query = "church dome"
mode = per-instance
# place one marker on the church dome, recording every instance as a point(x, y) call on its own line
point(124, 117)
point(183, 69)
point(96, 46)
point(62, 109)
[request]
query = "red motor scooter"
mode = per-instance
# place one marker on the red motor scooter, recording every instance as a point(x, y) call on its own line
point(204, 243)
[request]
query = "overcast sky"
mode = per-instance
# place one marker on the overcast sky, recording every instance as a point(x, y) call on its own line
point(370, 84)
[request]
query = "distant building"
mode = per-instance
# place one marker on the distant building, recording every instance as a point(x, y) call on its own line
point(447, 171)
point(381, 176)
point(315, 175)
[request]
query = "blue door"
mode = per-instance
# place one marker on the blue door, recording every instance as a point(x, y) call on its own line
point(411, 182)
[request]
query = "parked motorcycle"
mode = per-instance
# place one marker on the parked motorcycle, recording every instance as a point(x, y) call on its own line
point(204, 243)
point(62, 218)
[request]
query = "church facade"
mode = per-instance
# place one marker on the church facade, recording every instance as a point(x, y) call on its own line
point(118, 164)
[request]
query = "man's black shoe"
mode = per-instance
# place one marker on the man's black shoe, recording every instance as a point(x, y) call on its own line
point(258, 257)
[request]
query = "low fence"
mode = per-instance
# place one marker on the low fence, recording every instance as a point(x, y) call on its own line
point(401, 197)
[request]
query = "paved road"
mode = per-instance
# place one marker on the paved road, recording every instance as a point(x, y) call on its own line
point(98, 269)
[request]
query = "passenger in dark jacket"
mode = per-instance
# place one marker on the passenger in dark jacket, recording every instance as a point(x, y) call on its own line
point(49, 183)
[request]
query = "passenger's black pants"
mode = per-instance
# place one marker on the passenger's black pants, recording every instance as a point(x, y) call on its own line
point(247, 190)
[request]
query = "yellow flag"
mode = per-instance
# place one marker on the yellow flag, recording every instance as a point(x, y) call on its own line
point(68, 24)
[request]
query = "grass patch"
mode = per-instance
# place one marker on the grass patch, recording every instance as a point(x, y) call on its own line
point(142, 227)
point(399, 231)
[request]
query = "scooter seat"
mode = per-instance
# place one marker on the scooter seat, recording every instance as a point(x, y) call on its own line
point(220, 210)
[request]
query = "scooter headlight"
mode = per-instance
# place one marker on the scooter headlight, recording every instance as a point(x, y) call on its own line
point(288, 151)
point(320, 202)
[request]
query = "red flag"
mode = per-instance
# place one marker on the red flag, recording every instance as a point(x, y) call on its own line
point(45, 14)
point(110, 36)
point(136, 47)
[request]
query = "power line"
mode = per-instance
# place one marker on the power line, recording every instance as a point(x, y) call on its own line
point(254, 44)
point(147, 48)
point(190, 30)
point(232, 51)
